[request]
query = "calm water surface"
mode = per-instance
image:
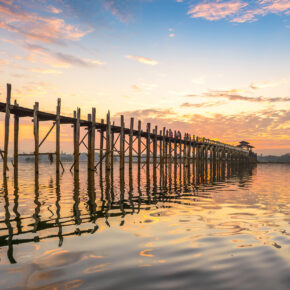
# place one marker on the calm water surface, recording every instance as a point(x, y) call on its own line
point(230, 231)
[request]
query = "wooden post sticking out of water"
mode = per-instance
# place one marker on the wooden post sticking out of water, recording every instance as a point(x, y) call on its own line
point(101, 145)
point(170, 152)
point(89, 128)
point(155, 148)
point(148, 145)
point(131, 143)
point(7, 122)
point(36, 137)
point(108, 143)
point(77, 141)
point(57, 123)
point(92, 141)
point(16, 138)
point(112, 153)
point(122, 143)
point(139, 144)
point(175, 149)
point(184, 150)
point(164, 147)
point(161, 154)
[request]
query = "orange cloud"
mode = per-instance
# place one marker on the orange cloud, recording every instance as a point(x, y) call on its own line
point(45, 71)
point(142, 59)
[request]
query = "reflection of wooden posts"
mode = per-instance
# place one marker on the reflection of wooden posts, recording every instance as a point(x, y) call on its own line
point(7, 123)
point(155, 148)
point(77, 140)
point(16, 138)
point(108, 143)
point(131, 143)
point(92, 141)
point(139, 144)
point(122, 143)
point(36, 137)
point(57, 132)
point(148, 145)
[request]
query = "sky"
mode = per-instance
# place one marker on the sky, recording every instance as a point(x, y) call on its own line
point(216, 69)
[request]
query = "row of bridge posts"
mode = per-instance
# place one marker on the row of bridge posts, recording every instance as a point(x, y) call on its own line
point(128, 145)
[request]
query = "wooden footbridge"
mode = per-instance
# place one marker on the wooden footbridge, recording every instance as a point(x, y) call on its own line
point(150, 147)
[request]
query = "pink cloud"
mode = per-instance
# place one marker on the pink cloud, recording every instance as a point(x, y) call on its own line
point(238, 11)
point(36, 27)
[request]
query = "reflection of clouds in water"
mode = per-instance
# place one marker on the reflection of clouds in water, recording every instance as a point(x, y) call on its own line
point(218, 228)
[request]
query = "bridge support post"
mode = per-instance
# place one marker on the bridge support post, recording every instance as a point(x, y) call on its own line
point(16, 141)
point(36, 137)
point(7, 123)
point(57, 147)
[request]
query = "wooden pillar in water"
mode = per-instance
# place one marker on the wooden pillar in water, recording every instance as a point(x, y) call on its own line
point(148, 145)
point(57, 133)
point(170, 152)
point(112, 154)
point(89, 128)
point(155, 148)
point(161, 153)
point(7, 123)
point(16, 138)
point(175, 149)
point(184, 150)
point(92, 141)
point(101, 145)
point(131, 144)
point(122, 143)
point(77, 141)
point(139, 144)
point(108, 143)
point(36, 137)
point(164, 149)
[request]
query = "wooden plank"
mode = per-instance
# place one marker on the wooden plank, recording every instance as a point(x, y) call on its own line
point(7, 123)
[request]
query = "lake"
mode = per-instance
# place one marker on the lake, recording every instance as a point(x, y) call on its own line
point(227, 229)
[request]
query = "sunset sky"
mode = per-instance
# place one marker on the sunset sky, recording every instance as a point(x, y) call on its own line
point(218, 69)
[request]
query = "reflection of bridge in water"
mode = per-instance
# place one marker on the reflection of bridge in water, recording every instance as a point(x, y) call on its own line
point(108, 195)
